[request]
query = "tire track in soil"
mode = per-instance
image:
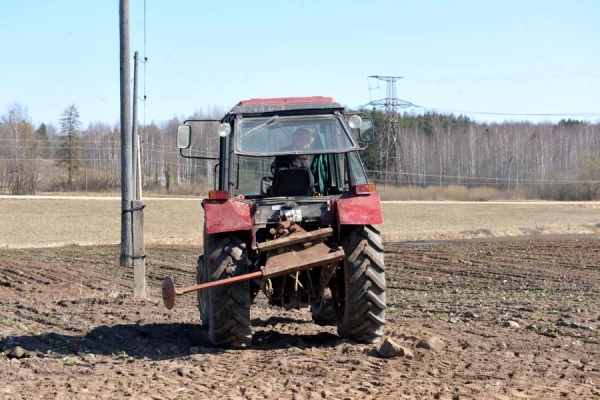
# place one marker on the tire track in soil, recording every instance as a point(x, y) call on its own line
point(71, 309)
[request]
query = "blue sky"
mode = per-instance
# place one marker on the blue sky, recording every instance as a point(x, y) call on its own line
point(539, 57)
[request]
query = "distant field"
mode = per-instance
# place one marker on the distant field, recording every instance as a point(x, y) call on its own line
point(51, 221)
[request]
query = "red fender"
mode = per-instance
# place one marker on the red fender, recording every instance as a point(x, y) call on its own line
point(226, 216)
point(359, 210)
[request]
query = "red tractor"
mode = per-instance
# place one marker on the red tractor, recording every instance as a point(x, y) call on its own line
point(292, 215)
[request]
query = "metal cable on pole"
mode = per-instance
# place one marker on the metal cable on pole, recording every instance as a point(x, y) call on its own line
point(126, 142)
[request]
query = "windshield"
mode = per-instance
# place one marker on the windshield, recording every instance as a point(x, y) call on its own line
point(285, 135)
point(333, 174)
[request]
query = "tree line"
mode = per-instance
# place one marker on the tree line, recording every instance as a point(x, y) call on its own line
point(541, 160)
point(68, 157)
point(546, 160)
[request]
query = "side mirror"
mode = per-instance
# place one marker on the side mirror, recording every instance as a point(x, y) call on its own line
point(184, 136)
point(366, 130)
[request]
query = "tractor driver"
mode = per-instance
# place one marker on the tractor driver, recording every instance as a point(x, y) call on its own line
point(301, 140)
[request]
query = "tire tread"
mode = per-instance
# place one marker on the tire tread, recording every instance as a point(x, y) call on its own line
point(363, 319)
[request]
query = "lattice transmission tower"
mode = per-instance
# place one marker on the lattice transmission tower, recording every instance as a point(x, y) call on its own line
point(391, 147)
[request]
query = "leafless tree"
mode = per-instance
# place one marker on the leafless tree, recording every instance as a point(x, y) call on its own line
point(20, 152)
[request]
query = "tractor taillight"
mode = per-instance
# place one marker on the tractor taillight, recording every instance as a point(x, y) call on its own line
point(219, 194)
point(364, 188)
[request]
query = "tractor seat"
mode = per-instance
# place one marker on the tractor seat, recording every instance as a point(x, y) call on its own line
point(293, 181)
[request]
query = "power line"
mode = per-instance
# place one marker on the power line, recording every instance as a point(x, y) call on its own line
point(392, 102)
point(521, 114)
point(495, 180)
point(580, 114)
point(483, 184)
point(508, 78)
point(83, 145)
point(465, 179)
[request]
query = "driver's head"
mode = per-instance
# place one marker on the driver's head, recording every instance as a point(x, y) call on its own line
point(301, 139)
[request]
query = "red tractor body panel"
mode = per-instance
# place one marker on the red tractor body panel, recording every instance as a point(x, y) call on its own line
point(360, 210)
point(226, 216)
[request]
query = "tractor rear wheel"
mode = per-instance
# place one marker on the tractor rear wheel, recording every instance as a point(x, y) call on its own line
point(226, 309)
point(360, 295)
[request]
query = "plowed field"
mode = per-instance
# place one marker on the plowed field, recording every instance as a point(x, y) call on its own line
point(502, 319)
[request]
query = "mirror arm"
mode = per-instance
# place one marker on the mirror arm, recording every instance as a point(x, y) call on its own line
point(196, 157)
point(215, 176)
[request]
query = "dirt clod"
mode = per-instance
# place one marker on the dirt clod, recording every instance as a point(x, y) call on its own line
point(391, 349)
point(17, 352)
point(433, 343)
point(511, 324)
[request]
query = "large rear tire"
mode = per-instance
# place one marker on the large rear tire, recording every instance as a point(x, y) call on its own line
point(225, 309)
point(360, 301)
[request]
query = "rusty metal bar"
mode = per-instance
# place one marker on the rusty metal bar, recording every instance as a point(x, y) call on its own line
point(294, 238)
point(221, 282)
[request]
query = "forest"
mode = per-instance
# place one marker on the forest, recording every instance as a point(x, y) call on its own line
point(555, 161)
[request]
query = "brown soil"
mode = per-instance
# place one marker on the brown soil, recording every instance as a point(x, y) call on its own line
point(84, 336)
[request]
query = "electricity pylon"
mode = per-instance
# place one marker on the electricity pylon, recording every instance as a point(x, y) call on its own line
point(391, 142)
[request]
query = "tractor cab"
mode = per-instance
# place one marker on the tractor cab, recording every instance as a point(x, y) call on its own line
point(302, 146)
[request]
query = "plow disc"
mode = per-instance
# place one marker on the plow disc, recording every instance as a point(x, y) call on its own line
point(168, 292)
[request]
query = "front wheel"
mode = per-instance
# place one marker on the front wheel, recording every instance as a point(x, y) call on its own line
point(359, 298)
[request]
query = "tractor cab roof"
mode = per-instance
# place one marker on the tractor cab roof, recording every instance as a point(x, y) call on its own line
point(287, 105)
point(266, 127)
